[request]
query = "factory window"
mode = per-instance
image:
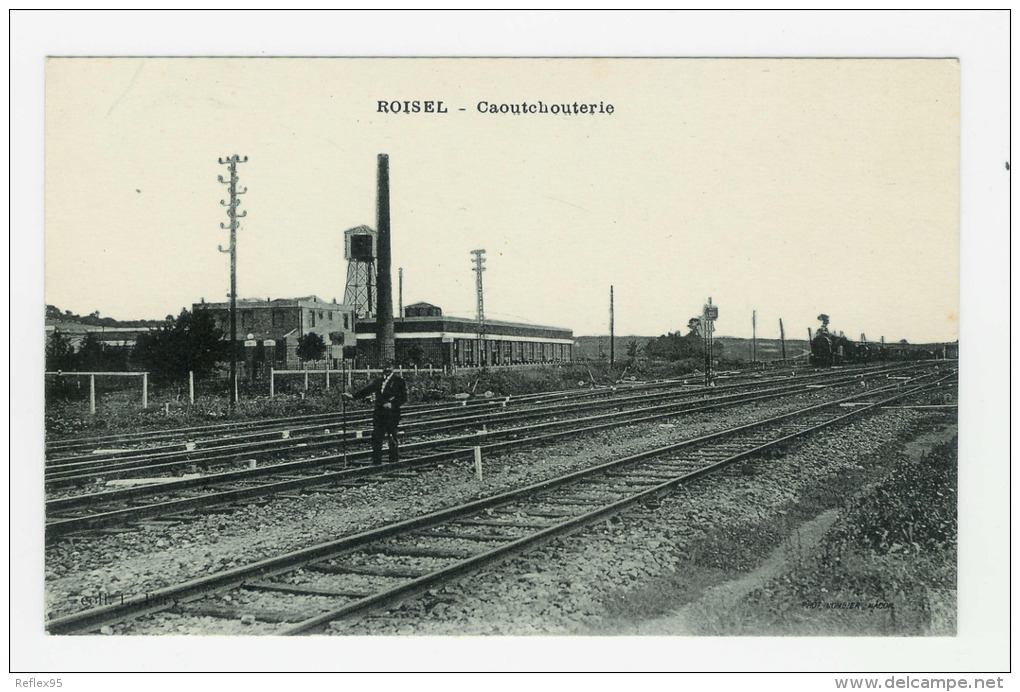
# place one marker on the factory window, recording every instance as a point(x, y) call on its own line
point(345, 321)
point(330, 313)
point(312, 313)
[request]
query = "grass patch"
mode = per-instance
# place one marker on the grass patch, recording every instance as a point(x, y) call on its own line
point(887, 567)
point(729, 551)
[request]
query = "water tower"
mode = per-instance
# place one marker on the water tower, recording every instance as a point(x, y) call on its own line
point(360, 251)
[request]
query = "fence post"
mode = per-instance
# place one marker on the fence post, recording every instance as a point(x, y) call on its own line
point(306, 380)
point(327, 376)
point(92, 394)
point(272, 382)
point(191, 385)
point(145, 390)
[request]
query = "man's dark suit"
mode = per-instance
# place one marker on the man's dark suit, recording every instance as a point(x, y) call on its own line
point(390, 394)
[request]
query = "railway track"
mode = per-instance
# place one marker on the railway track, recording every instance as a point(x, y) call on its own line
point(180, 499)
point(105, 446)
point(336, 435)
point(309, 590)
point(115, 446)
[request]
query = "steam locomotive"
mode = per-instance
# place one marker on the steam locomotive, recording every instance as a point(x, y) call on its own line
point(829, 349)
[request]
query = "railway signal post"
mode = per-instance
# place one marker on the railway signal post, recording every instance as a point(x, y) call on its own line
point(709, 315)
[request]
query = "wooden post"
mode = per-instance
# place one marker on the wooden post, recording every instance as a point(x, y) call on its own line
point(191, 385)
point(754, 337)
point(612, 331)
point(272, 382)
point(145, 390)
point(235, 387)
point(478, 462)
point(92, 394)
point(327, 375)
point(306, 380)
point(782, 338)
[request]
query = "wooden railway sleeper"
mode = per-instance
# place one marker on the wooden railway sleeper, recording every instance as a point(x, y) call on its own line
point(303, 589)
point(419, 551)
point(466, 536)
point(365, 570)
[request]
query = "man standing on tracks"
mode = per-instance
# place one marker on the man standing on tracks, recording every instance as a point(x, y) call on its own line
point(390, 394)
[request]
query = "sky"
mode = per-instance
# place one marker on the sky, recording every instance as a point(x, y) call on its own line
point(786, 187)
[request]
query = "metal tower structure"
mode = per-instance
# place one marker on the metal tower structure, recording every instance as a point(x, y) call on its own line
point(478, 269)
point(231, 163)
point(360, 245)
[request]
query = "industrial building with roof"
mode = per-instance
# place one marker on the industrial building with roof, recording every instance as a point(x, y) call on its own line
point(272, 328)
point(424, 336)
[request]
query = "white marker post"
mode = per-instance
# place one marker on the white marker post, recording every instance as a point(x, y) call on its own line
point(478, 463)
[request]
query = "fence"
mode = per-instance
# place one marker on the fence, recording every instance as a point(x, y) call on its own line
point(346, 375)
point(92, 383)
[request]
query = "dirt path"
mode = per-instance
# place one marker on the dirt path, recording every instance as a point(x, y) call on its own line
point(800, 544)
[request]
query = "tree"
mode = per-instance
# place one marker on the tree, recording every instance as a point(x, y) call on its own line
point(632, 349)
point(90, 353)
point(189, 343)
point(675, 346)
point(59, 352)
point(311, 347)
point(415, 355)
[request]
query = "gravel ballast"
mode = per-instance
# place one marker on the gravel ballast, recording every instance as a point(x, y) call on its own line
point(157, 555)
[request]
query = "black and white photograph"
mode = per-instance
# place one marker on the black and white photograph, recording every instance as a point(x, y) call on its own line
point(642, 351)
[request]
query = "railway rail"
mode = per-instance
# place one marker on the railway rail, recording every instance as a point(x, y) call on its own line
point(173, 438)
point(309, 590)
point(308, 439)
point(151, 441)
point(181, 498)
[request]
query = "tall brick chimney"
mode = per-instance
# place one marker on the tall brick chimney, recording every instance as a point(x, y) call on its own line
point(384, 282)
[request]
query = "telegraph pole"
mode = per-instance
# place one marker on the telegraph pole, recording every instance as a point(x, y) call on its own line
point(400, 290)
point(478, 268)
point(612, 332)
point(231, 163)
point(782, 338)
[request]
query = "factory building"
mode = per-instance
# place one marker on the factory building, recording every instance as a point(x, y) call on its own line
point(424, 336)
point(272, 328)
